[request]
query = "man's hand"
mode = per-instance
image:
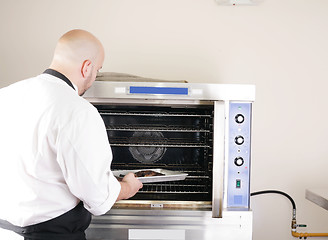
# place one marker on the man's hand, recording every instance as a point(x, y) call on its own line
point(130, 185)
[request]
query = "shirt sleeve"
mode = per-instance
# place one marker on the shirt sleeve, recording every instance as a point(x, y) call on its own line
point(84, 155)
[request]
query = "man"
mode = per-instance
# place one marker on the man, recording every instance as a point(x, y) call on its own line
point(54, 151)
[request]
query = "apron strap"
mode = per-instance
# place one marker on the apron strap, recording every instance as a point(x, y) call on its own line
point(69, 226)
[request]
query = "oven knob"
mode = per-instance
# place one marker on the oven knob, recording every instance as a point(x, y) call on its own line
point(239, 161)
point(239, 118)
point(239, 140)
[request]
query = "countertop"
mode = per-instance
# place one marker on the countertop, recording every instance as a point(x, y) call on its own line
point(318, 196)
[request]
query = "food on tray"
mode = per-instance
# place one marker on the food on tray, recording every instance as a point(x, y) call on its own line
point(151, 175)
point(147, 173)
point(144, 173)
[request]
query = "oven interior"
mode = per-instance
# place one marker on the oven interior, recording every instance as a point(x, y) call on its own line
point(178, 138)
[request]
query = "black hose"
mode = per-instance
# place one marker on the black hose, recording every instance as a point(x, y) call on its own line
point(278, 192)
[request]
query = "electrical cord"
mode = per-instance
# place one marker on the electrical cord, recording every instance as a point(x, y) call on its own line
point(294, 225)
point(279, 192)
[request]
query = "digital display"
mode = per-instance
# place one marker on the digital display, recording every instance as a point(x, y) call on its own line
point(158, 90)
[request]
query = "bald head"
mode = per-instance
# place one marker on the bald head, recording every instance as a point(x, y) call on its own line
point(78, 55)
point(76, 46)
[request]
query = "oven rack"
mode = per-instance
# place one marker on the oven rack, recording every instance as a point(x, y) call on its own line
point(174, 188)
point(154, 129)
point(160, 145)
point(158, 142)
point(197, 185)
point(154, 114)
point(191, 169)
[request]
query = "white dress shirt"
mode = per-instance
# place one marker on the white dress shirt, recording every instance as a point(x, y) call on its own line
point(54, 152)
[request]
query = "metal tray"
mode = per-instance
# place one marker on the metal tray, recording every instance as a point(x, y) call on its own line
point(168, 175)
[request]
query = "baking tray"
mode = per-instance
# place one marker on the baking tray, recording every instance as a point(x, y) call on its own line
point(168, 175)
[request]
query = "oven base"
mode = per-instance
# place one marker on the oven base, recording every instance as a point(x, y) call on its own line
point(128, 224)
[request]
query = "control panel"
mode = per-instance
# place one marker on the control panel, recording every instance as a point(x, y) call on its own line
point(239, 147)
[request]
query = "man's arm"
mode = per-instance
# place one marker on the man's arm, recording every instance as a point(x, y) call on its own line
point(130, 185)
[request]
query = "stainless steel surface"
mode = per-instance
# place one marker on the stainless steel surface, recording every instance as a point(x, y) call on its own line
point(168, 175)
point(218, 165)
point(196, 225)
point(104, 91)
point(177, 205)
point(318, 196)
point(124, 77)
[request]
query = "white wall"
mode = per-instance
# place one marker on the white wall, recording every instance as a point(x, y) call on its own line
point(279, 45)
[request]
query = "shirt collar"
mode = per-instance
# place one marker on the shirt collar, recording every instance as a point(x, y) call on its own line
point(62, 77)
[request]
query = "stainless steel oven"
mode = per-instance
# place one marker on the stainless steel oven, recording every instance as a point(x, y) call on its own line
point(203, 130)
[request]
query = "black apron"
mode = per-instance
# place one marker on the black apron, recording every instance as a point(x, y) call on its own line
point(69, 226)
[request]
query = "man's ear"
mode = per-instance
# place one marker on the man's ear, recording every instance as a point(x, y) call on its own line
point(85, 68)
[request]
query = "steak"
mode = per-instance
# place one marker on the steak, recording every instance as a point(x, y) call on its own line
point(147, 173)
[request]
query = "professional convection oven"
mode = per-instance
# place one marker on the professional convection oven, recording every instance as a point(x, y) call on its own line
point(203, 130)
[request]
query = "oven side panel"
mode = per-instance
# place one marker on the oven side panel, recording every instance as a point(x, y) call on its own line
point(238, 155)
point(231, 156)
